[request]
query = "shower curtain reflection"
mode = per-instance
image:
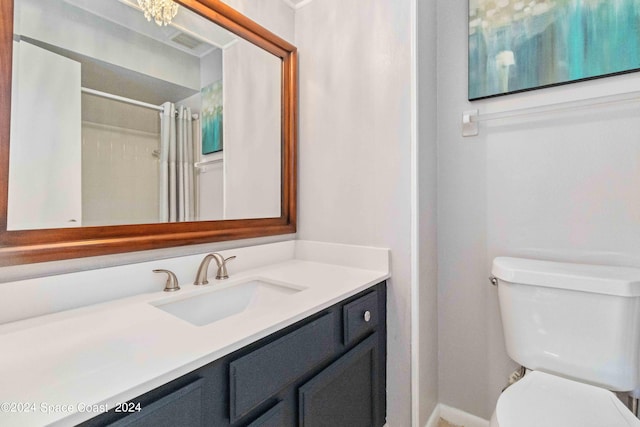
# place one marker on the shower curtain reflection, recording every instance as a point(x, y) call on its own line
point(179, 143)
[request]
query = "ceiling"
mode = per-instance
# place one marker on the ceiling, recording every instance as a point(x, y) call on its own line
point(186, 24)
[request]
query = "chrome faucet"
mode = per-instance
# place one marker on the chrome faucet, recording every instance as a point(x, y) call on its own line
point(221, 274)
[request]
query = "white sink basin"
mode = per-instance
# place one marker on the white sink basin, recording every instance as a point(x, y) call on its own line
point(211, 306)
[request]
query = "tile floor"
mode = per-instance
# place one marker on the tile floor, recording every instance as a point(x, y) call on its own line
point(444, 423)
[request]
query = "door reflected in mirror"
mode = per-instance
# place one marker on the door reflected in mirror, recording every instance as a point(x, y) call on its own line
point(116, 120)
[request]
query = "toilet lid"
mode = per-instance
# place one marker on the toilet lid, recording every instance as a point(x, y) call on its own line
point(543, 400)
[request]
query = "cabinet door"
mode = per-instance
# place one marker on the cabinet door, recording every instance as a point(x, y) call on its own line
point(170, 405)
point(272, 418)
point(182, 407)
point(347, 393)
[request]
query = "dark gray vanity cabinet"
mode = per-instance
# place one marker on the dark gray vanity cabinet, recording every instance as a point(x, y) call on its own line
point(327, 370)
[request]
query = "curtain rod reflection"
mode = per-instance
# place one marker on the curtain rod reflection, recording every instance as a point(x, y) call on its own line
point(126, 100)
point(121, 99)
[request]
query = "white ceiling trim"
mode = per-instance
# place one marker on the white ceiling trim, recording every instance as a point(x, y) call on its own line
point(296, 4)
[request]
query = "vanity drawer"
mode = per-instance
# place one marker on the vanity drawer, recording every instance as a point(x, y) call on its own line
point(182, 407)
point(360, 317)
point(261, 374)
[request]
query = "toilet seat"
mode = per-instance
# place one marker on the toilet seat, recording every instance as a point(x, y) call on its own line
point(544, 400)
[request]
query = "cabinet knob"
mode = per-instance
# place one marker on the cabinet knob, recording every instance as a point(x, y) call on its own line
point(367, 316)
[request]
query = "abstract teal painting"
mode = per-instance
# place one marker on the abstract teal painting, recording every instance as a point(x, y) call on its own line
point(212, 118)
point(519, 45)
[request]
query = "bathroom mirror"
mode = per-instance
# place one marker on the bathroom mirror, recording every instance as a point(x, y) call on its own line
point(127, 134)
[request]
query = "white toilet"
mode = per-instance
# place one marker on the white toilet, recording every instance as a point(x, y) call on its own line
point(577, 328)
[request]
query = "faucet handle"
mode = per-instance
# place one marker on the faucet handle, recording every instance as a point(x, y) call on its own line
point(172, 280)
point(222, 268)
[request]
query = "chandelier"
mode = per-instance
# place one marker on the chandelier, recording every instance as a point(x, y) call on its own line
point(162, 11)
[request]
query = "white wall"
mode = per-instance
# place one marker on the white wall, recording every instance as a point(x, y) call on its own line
point(212, 190)
point(210, 71)
point(355, 149)
point(563, 186)
point(211, 68)
point(274, 15)
point(426, 395)
point(252, 117)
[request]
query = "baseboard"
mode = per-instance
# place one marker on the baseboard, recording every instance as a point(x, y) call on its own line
point(455, 416)
point(435, 416)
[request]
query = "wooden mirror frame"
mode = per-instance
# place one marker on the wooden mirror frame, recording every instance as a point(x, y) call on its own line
point(31, 246)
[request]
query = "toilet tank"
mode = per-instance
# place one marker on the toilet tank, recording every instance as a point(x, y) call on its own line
point(574, 320)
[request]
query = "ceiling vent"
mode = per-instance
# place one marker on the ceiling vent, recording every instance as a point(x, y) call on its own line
point(186, 41)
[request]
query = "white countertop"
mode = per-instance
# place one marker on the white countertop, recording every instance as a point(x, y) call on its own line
point(69, 366)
